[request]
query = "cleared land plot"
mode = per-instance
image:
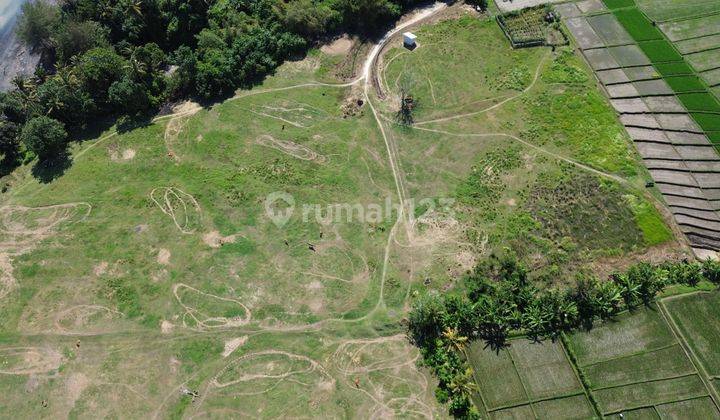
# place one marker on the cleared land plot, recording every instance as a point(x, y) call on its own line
point(601, 59)
point(590, 6)
point(662, 10)
point(544, 369)
point(614, 400)
point(631, 333)
point(524, 372)
point(576, 407)
point(705, 60)
point(697, 408)
point(642, 414)
point(495, 373)
point(696, 316)
point(583, 33)
point(608, 28)
point(653, 365)
point(693, 45)
point(629, 56)
point(691, 28)
point(521, 412)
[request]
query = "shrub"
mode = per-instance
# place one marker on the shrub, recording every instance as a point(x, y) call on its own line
point(45, 137)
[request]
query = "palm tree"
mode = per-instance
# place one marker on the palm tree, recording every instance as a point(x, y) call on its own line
point(534, 320)
point(463, 383)
point(454, 340)
point(606, 299)
point(629, 289)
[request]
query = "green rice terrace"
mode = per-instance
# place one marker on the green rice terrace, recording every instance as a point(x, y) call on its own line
point(517, 217)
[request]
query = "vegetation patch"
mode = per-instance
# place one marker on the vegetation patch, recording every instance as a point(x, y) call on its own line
point(703, 337)
point(614, 400)
point(532, 27)
point(659, 51)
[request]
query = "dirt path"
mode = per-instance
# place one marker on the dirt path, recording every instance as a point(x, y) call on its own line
point(170, 200)
point(532, 84)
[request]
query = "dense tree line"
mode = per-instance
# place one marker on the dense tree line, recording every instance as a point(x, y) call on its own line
point(125, 57)
point(498, 299)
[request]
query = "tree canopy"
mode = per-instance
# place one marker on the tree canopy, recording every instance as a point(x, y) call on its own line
point(124, 58)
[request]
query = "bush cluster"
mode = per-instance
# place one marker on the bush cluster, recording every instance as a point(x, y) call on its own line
point(498, 300)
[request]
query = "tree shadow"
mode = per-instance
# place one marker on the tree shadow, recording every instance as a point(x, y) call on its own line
point(48, 170)
point(126, 124)
point(8, 164)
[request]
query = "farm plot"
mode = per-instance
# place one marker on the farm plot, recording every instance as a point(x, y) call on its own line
point(696, 37)
point(677, 69)
point(528, 377)
point(677, 10)
point(696, 317)
point(635, 365)
point(529, 28)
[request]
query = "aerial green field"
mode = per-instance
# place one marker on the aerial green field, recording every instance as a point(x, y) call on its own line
point(552, 184)
point(636, 362)
point(702, 337)
point(148, 281)
point(528, 376)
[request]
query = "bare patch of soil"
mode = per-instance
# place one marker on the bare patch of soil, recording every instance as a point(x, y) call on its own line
point(338, 47)
point(213, 239)
point(671, 251)
point(100, 269)
point(232, 345)
point(163, 257)
point(290, 148)
point(29, 360)
point(75, 384)
point(166, 327)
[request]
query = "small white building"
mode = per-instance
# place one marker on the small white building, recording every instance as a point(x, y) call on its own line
point(409, 39)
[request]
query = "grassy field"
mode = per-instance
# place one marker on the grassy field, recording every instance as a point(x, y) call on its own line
point(529, 185)
point(150, 271)
point(159, 271)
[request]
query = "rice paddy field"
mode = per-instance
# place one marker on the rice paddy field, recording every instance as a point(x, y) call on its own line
point(656, 362)
point(682, 50)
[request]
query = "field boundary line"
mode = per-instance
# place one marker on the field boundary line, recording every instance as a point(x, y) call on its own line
point(486, 407)
point(537, 400)
point(694, 292)
point(704, 375)
point(527, 394)
point(686, 18)
point(639, 407)
point(627, 356)
point(579, 374)
point(648, 381)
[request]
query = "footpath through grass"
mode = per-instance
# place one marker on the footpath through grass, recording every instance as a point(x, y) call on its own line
point(691, 90)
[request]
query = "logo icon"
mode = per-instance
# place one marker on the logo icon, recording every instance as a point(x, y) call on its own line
point(279, 207)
